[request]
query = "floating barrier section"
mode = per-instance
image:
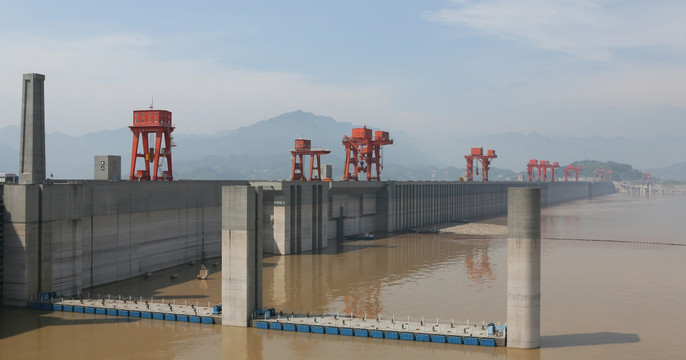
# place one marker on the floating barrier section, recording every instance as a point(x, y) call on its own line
point(478, 335)
point(132, 309)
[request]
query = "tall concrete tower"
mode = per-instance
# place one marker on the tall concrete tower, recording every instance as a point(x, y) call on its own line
point(32, 147)
point(524, 268)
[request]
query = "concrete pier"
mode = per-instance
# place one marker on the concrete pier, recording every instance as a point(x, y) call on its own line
point(32, 147)
point(524, 268)
point(241, 255)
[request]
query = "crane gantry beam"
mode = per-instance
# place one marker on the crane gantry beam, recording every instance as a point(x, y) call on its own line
point(303, 147)
point(363, 153)
point(485, 160)
point(571, 168)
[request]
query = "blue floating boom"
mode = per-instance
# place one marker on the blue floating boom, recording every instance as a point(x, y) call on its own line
point(438, 338)
point(361, 333)
point(471, 341)
point(406, 336)
point(488, 342)
point(455, 340)
point(317, 329)
point(393, 335)
point(422, 337)
point(376, 334)
point(262, 325)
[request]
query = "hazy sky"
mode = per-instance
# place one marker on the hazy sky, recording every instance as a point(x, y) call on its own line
point(560, 68)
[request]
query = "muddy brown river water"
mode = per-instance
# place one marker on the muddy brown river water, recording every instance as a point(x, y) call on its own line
point(599, 299)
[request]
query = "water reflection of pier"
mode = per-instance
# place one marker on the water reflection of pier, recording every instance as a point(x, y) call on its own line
point(356, 271)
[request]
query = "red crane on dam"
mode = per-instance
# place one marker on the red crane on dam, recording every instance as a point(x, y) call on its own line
point(576, 171)
point(551, 167)
point(541, 167)
point(303, 147)
point(645, 178)
point(485, 160)
point(533, 164)
point(543, 170)
point(156, 126)
point(363, 153)
point(601, 174)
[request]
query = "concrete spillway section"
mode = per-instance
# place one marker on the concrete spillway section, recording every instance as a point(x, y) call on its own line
point(524, 268)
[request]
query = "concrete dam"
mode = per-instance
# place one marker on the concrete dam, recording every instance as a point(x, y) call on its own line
point(71, 235)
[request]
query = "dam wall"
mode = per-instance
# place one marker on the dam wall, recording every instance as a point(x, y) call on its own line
point(65, 237)
point(293, 217)
point(396, 206)
point(73, 235)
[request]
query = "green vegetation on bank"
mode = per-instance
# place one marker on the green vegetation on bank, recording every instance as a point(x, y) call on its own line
point(621, 172)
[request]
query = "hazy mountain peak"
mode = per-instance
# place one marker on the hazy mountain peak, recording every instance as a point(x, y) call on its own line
point(300, 117)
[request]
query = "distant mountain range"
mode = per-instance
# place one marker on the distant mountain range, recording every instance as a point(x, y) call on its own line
point(261, 151)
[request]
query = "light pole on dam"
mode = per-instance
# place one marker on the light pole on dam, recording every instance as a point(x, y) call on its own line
point(524, 268)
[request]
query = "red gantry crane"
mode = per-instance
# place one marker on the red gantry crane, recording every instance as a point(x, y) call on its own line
point(602, 174)
point(157, 123)
point(551, 167)
point(543, 170)
point(576, 171)
point(485, 159)
point(542, 167)
point(363, 153)
point(304, 147)
point(533, 164)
